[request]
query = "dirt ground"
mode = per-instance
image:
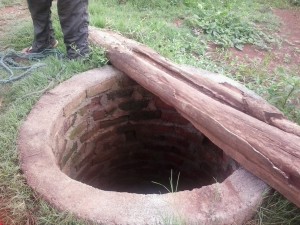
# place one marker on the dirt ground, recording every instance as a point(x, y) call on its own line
point(287, 53)
point(9, 16)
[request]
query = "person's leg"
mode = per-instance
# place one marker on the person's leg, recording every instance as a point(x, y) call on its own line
point(40, 11)
point(74, 20)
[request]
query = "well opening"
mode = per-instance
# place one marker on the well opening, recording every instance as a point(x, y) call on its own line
point(126, 139)
point(100, 135)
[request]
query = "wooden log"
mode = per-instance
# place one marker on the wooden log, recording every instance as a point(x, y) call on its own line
point(243, 125)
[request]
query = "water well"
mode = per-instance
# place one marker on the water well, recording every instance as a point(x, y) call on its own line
point(99, 145)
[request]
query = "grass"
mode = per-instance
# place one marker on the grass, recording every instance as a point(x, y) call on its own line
point(181, 30)
point(18, 101)
point(228, 27)
point(286, 213)
point(7, 3)
point(281, 87)
point(19, 204)
point(172, 188)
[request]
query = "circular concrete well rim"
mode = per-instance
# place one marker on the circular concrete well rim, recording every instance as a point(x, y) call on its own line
point(231, 202)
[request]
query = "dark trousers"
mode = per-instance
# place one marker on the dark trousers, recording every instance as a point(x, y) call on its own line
point(74, 20)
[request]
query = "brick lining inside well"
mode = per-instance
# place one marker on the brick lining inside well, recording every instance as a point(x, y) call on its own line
point(123, 138)
point(102, 129)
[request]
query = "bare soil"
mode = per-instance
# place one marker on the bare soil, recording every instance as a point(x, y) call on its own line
point(9, 16)
point(287, 53)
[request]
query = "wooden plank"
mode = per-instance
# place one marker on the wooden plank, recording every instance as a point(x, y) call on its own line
point(247, 128)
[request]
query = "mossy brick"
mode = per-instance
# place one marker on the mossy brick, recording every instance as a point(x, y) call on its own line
point(90, 133)
point(60, 146)
point(71, 107)
point(88, 108)
point(69, 122)
point(57, 128)
point(122, 93)
point(66, 157)
point(145, 115)
point(85, 150)
point(134, 105)
point(79, 129)
point(105, 134)
point(86, 160)
point(98, 112)
point(79, 154)
point(101, 87)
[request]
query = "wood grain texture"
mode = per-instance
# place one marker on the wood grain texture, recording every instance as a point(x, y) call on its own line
point(246, 127)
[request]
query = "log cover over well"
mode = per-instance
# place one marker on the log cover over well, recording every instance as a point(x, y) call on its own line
point(247, 128)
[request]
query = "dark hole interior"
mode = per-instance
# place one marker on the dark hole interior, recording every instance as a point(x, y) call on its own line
point(128, 140)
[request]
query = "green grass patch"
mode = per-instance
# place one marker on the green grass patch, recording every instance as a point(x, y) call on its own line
point(17, 202)
point(231, 23)
point(7, 3)
point(280, 87)
point(19, 98)
point(276, 210)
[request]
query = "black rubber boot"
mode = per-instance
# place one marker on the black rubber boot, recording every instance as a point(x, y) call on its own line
point(40, 11)
point(74, 20)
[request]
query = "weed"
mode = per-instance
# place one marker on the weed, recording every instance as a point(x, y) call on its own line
point(172, 189)
point(284, 93)
point(276, 210)
point(6, 3)
point(295, 2)
point(225, 26)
